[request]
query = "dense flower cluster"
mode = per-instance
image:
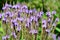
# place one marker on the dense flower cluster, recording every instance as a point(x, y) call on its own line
point(18, 17)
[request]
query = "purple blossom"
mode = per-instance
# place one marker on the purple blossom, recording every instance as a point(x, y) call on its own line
point(41, 13)
point(14, 6)
point(35, 19)
point(54, 24)
point(57, 19)
point(14, 34)
point(33, 31)
point(44, 23)
point(18, 28)
point(48, 14)
point(24, 7)
point(30, 11)
point(0, 15)
point(31, 18)
point(54, 36)
point(3, 8)
point(20, 19)
point(27, 25)
point(53, 12)
point(59, 38)
point(4, 38)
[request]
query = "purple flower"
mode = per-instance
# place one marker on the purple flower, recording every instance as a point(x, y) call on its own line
point(44, 23)
point(41, 13)
point(3, 8)
point(59, 38)
point(30, 11)
point(54, 36)
point(48, 14)
point(20, 19)
point(49, 20)
point(24, 7)
point(14, 34)
point(33, 31)
point(0, 15)
point(31, 18)
point(27, 25)
point(26, 10)
point(57, 19)
point(35, 19)
point(14, 6)
point(6, 5)
point(54, 24)
point(53, 12)
point(18, 28)
point(4, 38)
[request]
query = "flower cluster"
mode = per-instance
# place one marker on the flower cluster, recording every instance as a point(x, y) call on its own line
point(18, 17)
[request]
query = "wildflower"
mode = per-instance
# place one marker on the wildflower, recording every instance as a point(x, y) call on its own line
point(24, 7)
point(4, 38)
point(33, 31)
point(58, 37)
point(18, 28)
point(49, 20)
point(53, 12)
point(13, 34)
point(44, 23)
point(54, 24)
point(30, 11)
point(54, 36)
point(41, 13)
point(0, 16)
point(3, 8)
point(57, 20)
point(48, 14)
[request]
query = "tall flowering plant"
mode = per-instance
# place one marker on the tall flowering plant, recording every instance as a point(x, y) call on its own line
point(21, 23)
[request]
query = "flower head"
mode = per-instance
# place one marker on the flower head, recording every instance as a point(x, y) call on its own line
point(33, 31)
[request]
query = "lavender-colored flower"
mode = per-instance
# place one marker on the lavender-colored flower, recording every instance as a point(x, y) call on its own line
point(14, 34)
point(26, 10)
point(35, 19)
point(33, 31)
point(7, 36)
point(53, 12)
point(8, 13)
point(49, 20)
point(24, 7)
point(27, 25)
point(3, 8)
point(58, 37)
point(4, 38)
point(20, 19)
point(48, 30)
point(44, 23)
point(30, 11)
point(18, 14)
point(48, 14)
point(31, 18)
point(14, 6)
point(57, 19)
point(41, 13)
point(6, 5)
point(18, 28)
point(0, 15)
point(54, 36)
point(54, 24)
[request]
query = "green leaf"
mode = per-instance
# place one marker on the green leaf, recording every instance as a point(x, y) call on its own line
point(58, 29)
